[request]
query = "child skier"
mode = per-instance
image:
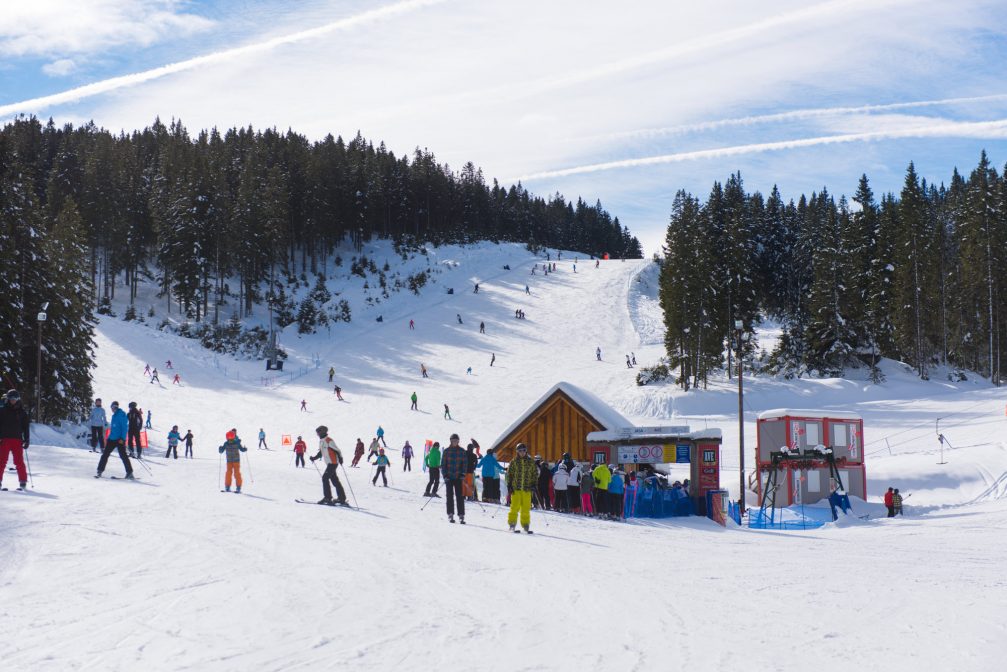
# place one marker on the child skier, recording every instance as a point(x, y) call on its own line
point(232, 446)
point(299, 449)
point(188, 443)
point(173, 438)
point(414, 398)
point(381, 463)
point(262, 439)
point(177, 380)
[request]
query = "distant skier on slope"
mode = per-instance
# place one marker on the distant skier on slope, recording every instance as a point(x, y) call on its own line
point(373, 449)
point(597, 353)
point(134, 423)
point(98, 422)
point(299, 449)
point(148, 419)
point(173, 438)
point(381, 436)
point(414, 399)
point(332, 372)
point(177, 380)
point(433, 463)
point(188, 442)
point(330, 455)
point(382, 463)
point(358, 452)
point(447, 412)
point(233, 449)
point(482, 327)
point(153, 377)
point(262, 439)
point(407, 457)
point(304, 405)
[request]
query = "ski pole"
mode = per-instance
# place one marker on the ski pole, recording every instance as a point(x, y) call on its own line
point(535, 497)
point(347, 477)
point(248, 459)
point(144, 465)
point(291, 458)
point(430, 498)
point(220, 463)
point(28, 464)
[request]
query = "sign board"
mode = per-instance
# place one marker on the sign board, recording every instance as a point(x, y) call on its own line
point(682, 453)
point(648, 454)
point(672, 430)
point(706, 470)
point(285, 440)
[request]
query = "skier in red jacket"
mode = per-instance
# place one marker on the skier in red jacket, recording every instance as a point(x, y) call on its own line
point(890, 503)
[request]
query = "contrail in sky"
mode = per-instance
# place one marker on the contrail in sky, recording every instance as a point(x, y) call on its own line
point(797, 115)
point(106, 85)
point(977, 129)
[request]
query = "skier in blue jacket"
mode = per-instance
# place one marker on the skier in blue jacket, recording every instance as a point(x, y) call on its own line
point(491, 476)
point(116, 440)
point(173, 438)
point(616, 489)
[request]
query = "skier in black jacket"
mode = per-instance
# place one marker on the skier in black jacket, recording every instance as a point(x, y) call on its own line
point(14, 436)
point(134, 423)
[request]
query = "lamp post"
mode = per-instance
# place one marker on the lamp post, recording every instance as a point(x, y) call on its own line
point(41, 317)
point(738, 326)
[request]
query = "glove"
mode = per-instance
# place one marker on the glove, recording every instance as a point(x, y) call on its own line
point(313, 458)
point(25, 445)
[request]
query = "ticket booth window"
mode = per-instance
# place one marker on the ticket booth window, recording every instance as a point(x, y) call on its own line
point(600, 457)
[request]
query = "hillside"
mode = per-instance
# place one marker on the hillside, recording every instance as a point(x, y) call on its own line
point(169, 573)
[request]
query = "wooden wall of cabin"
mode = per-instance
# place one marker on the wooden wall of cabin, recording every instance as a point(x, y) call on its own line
point(554, 429)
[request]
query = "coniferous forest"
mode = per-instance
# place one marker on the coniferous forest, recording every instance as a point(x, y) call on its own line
point(916, 276)
point(84, 212)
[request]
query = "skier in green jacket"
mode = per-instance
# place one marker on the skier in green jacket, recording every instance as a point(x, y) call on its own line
point(433, 462)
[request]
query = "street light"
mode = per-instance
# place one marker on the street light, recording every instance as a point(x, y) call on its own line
point(41, 317)
point(739, 326)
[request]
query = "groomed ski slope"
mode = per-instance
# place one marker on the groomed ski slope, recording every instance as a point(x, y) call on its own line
point(168, 573)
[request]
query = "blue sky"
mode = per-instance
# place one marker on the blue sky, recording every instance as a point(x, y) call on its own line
point(620, 102)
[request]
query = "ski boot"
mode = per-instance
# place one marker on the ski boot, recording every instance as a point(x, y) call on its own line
point(227, 488)
point(237, 490)
point(527, 531)
point(461, 519)
point(325, 500)
point(513, 529)
point(129, 476)
point(23, 485)
point(451, 519)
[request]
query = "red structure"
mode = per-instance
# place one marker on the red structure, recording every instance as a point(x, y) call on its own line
point(813, 453)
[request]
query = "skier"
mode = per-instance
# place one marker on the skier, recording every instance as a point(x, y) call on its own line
point(586, 490)
point(560, 484)
point(629, 364)
point(188, 442)
point(544, 480)
point(447, 412)
point(329, 452)
point(117, 440)
point(491, 479)
point(896, 502)
point(521, 478)
point(134, 423)
point(414, 398)
point(482, 327)
point(616, 490)
point(573, 489)
point(412, 325)
point(433, 462)
point(358, 452)
point(468, 371)
point(575, 268)
point(153, 377)
point(148, 419)
point(407, 457)
point(454, 466)
point(339, 392)
point(304, 405)
point(373, 449)
point(177, 380)
point(146, 370)
point(477, 288)
point(173, 438)
point(602, 476)
point(632, 357)
point(381, 463)
point(168, 364)
point(597, 263)
point(493, 358)
point(471, 460)
point(98, 422)
point(597, 353)
point(423, 370)
point(299, 449)
point(459, 316)
point(332, 372)
point(381, 436)
point(14, 436)
point(234, 449)
point(526, 290)
point(889, 502)
point(262, 439)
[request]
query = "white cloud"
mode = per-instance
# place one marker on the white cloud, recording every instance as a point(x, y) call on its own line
point(60, 68)
point(60, 27)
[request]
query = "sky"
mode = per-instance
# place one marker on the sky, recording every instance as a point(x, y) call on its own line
point(623, 103)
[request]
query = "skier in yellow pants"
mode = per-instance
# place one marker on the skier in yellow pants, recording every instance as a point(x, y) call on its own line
point(522, 476)
point(233, 448)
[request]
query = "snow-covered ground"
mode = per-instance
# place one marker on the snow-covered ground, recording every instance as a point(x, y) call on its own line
point(168, 573)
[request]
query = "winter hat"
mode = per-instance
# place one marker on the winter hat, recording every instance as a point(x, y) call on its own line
point(231, 435)
point(13, 395)
point(321, 430)
point(97, 400)
point(454, 437)
point(132, 404)
point(381, 451)
point(115, 404)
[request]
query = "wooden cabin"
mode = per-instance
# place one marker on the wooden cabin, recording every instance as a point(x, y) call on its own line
point(558, 423)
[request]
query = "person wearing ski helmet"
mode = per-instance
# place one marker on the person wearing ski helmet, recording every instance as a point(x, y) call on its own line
point(14, 436)
point(522, 477)
point(232, 446)
point(116, 441)
point(382, 463)
point(299, 449)
point(134, 423)
point(329, 453)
